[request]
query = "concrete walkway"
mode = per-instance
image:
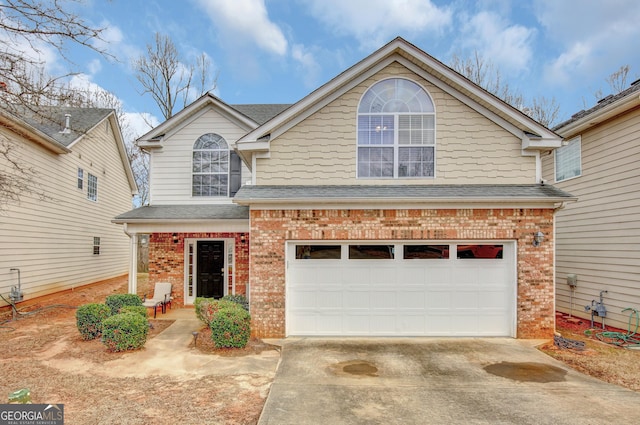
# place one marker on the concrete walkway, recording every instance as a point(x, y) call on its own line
point(436, 381)
point(171, 353)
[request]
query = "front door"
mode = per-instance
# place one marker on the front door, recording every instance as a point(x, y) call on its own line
point(210, 269)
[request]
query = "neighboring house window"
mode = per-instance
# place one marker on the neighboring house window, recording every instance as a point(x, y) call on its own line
point(80, 178)
point(92, 187)
point(396, 131)
point(96, 245)
point(569, 160)
point(216, 169)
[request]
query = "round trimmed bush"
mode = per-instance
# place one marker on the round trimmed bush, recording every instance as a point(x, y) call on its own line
point(230, 326)
point(125, 331)
point(89, 318)
point(206, 308)
point(238, 299)
point(137, 309)
point(117, 301)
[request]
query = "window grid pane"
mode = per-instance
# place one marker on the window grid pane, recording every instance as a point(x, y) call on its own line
point(210, 166)
point(568, 161)
point(415, 162)
point(92, 187)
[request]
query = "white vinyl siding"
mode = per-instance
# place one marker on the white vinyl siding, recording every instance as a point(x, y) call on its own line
point(50, 238)
point(598, 237)
point(171, 175)
point(569, 160)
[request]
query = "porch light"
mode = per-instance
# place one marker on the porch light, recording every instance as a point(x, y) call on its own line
point(538, 237)
point(174, 237)
point(242, 238)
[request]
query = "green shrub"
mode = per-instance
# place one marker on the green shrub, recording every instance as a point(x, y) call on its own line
point(117, 301)
point(137, 309)
point(230, 326)
point(206, 308)
point(125, 331)
point(89, 318)
point(238, 299)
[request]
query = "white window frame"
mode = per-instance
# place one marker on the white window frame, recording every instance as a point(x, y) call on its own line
point(96, 245)
point(80, 181)
point(575, 143)
point(211, 173)
point(396, 145)
point(92, 187)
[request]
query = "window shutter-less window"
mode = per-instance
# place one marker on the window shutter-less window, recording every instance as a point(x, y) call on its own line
point(235, 173)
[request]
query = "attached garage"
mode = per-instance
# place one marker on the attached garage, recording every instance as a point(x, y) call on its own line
point(412, 288)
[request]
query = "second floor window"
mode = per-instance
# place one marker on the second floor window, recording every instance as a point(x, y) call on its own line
point(92, 187)
point(80, 178)
point(396, 131)
point(210, 166)
point(569, 160)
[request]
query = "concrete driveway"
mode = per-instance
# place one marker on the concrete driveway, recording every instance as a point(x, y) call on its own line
point(436, 381)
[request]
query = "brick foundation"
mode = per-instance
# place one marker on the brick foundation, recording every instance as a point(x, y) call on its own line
point(167, 260)
point(270, 229)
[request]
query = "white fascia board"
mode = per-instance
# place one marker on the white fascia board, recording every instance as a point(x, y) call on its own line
point(621, 105)
point(400, 203)
point(212, 226)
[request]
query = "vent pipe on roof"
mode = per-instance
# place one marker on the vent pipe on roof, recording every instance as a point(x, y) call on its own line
point(67, 122)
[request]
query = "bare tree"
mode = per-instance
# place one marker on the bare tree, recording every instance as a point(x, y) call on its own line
point(15, 178)
point(168, 79)
point(618, 80)
point(27, 29)
point(483, 73)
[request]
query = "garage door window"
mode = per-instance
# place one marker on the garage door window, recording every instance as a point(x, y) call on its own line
point(371, 252)
point(413, 252)
point(479, 251)
point(318, 252)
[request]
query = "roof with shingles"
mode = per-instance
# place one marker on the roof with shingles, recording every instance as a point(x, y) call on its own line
point(261, 113)
point(249, 194)
point(185, 212)
point(51, 121)
point(608, 100)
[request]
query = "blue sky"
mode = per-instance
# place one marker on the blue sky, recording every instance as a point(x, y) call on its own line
point(278, 51)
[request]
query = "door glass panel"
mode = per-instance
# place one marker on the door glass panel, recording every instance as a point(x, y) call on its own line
point(425, 251)
point(371, 252)
point(318, 252)
point(479, 251)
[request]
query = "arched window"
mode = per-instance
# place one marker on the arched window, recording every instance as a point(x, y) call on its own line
point(396, 131)
point(210, 166)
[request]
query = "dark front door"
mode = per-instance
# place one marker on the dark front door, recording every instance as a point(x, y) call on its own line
point(210, 269)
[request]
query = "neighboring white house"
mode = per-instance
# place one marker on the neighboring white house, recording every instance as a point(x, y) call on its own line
point(598, 237)
point(59, 235)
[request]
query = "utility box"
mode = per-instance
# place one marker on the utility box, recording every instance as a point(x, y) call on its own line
point(572, 280)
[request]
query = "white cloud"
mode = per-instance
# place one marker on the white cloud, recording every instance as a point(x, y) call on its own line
point(508, 46)
point(374, 22)
point(592, 39)
point(139, 123)
point(309, 66)
point(112, 40)
point(246, 20)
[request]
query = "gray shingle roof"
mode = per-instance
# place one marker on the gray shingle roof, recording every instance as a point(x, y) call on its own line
point(184, 212)
point(635, 86)
point(51, 121)
point(250, 194)
point(261, 113)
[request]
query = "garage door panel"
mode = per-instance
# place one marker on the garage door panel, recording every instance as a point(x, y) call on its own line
point(438, 297)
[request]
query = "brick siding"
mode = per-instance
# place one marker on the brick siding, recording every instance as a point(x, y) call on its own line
point(270, 229)
point(167, 261)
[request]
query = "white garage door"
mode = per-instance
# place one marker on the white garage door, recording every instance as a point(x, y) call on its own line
point(401, 289)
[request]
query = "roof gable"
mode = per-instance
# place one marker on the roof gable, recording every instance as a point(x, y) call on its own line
point(534, 135)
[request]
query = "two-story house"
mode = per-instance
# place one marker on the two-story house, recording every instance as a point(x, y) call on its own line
point(598, 237)
point(399, 198)
point(75, 177)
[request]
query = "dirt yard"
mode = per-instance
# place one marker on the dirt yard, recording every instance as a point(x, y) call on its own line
point(33, 343)
point(604, 361)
